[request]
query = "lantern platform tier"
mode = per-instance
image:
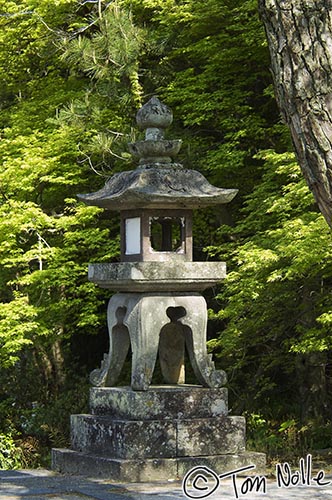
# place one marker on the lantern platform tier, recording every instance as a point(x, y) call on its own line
point(157, 276)
point(158, 186)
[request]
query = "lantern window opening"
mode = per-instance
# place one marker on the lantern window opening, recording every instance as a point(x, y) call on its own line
point(167, 234)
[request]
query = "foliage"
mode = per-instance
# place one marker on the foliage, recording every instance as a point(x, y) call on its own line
point(47, 238)
point(222, 68)
point(73, 76)
point(276, 300)
point(10, 453)
point(288, 440)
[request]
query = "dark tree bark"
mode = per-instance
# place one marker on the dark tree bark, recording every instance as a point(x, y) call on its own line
point(299, 34)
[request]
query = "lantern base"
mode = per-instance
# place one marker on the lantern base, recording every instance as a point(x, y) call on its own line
point(149, 470)
point(156, 435)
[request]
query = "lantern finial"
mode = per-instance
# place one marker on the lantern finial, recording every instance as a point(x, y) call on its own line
point(154, 117)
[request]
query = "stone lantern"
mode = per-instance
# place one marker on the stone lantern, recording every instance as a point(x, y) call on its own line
point(144, 432)
point(158, 308)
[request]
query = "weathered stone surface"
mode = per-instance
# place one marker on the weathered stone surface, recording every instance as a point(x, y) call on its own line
point(157, 276)
point(140, 318)
point(157, 438)
point(172, 352)
point(148, 470)
point(156, 187)
point(158, 434)
point(154, 114)
point(159, 402)
point(210, 436)
point(123, 439)
point(115, 470)
point(224, 463)
point(159, 151)
point(157, 183)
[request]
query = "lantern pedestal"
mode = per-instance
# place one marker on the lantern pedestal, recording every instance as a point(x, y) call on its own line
point(155, 435)
point(152, 322)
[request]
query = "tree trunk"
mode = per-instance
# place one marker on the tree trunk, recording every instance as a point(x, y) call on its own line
point(299, 34)
point(311, 376)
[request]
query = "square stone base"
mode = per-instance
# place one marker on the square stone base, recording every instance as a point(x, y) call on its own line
point(157, 438)
point(155, 435)
point(162, 402)
point(148, 470)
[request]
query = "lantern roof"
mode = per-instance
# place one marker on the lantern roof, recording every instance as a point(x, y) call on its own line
point(157, 182)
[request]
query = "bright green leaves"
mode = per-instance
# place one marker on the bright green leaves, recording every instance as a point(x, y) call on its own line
point(18, 327)
point(218, 89)
point(73, 76)
point(47, 238)
point(111, 51)
point(27, 33)
point(105, 52)
point(20, 226)
point(277, 304)
point(44, 263)
point(282, 194)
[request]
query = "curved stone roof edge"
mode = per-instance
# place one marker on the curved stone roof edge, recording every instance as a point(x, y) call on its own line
point(165, 187)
